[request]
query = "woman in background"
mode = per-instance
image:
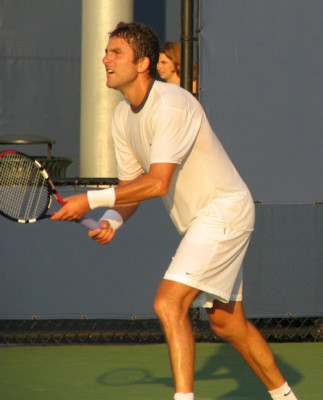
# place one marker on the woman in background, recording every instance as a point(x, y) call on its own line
point(169, 64)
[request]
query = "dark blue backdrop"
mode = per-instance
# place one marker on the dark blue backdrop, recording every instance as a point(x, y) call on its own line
point(261, 74)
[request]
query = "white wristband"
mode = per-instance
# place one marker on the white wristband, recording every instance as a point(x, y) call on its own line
point(101, 198)
point(114, 219)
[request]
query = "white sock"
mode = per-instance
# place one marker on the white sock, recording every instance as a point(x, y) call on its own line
point(184, 396)
point(282, 393)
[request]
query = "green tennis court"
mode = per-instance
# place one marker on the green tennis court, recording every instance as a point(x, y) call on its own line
point(141, 372)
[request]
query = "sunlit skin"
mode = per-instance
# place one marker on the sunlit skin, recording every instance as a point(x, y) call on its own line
point(167, 70)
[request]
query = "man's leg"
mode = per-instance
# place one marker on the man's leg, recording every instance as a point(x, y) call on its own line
point(172, 303)
point(229, 323)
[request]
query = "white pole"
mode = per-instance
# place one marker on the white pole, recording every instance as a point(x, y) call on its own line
point(99, 17)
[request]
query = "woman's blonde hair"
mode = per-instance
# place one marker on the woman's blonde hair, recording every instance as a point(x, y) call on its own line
point(173, 52)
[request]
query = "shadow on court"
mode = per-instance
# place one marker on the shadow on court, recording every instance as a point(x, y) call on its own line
point(221, 375)
point(227, 365)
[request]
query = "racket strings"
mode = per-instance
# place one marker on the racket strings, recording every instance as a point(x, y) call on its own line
point(32, 186)
point(24, 194)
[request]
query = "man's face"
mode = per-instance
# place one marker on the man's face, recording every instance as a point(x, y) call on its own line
point(119, 64)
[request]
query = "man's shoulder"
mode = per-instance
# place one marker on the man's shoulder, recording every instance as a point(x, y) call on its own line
point(164, 87)
point(172, 95)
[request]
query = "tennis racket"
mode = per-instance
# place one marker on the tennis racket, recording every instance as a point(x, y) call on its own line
point(26, 191)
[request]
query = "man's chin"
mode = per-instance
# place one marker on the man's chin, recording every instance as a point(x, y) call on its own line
point(110, 85)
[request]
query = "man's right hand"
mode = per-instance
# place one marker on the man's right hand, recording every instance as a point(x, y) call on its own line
point(104, 235)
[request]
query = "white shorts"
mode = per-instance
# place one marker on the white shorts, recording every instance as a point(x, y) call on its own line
point(210, 258)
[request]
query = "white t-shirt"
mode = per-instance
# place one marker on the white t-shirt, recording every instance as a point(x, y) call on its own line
point(172, 127)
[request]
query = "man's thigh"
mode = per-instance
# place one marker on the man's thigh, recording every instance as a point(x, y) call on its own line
point(176, 293)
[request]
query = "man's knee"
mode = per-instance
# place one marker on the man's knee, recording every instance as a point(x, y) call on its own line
point(168, 310)
point(222, 331)
point(227, 324)
point(160, 306)
point(173, 299)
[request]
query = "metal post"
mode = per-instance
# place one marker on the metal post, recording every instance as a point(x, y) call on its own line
point(187, 15)
point(97, 101)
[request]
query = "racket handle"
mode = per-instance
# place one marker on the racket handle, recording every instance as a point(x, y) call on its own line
point(90, 223)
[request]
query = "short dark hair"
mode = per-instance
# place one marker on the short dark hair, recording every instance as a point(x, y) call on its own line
point(143, 41)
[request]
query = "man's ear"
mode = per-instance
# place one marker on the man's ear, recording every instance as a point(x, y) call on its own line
point(143, 64)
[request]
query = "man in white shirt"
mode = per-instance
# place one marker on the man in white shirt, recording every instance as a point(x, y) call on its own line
point(166, 148)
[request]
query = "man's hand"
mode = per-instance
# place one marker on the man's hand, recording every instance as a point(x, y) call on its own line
point(75, 207)
point(104, 235)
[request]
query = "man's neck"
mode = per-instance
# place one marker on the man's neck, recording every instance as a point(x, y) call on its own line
point(138, 93)
point(140, 106)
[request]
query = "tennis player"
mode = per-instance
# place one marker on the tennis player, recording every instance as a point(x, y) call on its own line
point(166, 148)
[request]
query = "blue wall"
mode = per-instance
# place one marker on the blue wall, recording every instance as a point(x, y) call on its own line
point(261, 73)
point(53, 270)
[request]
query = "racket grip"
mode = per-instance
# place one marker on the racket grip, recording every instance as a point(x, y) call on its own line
point(90, 223)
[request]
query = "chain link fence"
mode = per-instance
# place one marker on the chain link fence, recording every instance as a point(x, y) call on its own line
point(99, 331)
